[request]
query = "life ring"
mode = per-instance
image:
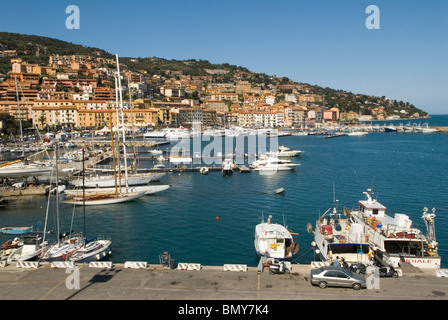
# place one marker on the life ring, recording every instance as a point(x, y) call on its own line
point(342, 239)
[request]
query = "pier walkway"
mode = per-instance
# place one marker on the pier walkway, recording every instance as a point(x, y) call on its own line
point(153, 282)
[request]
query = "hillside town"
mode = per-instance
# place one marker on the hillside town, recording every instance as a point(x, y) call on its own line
point(78, 91)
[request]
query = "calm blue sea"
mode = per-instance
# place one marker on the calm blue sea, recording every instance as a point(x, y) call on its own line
point(407, 172)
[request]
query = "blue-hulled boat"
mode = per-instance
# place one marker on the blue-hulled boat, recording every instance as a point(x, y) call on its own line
point(16, 230)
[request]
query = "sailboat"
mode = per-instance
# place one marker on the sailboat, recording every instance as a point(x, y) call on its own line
point(100, 196)
point(109, 196)
point(22, 169)
point(74, 247)
point(66, 243)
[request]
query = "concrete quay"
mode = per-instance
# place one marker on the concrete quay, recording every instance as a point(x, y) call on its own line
point(209, 283)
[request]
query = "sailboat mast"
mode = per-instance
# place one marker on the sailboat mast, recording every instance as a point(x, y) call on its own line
point(20, 117)
point(113, 151)
point(122, 123)
point(57, 190)
point(118, 133)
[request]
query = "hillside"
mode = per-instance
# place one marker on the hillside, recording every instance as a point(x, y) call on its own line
point(37, 50)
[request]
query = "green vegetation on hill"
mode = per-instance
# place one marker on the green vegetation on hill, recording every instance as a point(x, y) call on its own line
point(37, 50)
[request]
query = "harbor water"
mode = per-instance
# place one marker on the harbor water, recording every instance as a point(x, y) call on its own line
point(210, 219)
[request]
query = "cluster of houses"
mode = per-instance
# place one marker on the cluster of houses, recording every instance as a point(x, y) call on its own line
point(78, 91)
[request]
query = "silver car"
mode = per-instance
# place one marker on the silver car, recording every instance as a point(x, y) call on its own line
point(336, 277)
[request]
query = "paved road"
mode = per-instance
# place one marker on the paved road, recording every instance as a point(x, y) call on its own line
point(210, 283)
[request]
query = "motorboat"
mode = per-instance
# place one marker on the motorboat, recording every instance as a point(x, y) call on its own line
point(287, 152)
point(203, 170)
point(227, 167)
point(155, 135)
point(337, 237)
point(357, 133)
point(155, 152)
point(109, 180)
point(274, 241)
point(12, 244)
point(177, 133)
point(394, 239)
point(33, 246)
point(272, 163)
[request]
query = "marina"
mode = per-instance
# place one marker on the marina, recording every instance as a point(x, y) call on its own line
point(221, 210)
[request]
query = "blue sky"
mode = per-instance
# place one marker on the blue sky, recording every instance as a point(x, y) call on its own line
point(323, 42)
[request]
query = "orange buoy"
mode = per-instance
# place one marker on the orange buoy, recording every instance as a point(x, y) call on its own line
point(217, 218)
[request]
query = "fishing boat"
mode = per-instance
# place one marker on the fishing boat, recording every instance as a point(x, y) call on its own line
point(16, 230)
point(33, 246)
point(394, 240)
point(272, 163)
point(274, 241)
point(337, 237)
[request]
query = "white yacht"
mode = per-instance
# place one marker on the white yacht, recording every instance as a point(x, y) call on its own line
point(227, 167)
point(272, 163)
point(155, 135)
point(339, 237)
point(177, 133)
point(109, 180)
point(274, 241)
point(394, 239)
point(287, 152)
point(20, 170)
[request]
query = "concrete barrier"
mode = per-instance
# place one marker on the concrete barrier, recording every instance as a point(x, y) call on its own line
point(188, 266)
point(442, 273)
point(28, 264)
point(235, 267)
point(62, 264)
point(101, 264)
point(136, 264)
point(319, 264)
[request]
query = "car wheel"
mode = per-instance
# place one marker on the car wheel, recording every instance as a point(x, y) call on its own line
point(323, 285)
point(356, 286)
point(395, 274)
